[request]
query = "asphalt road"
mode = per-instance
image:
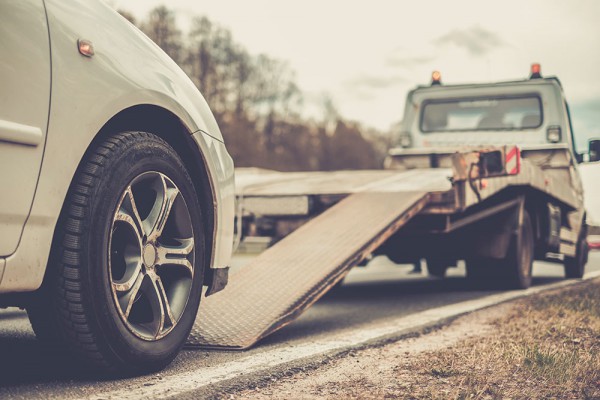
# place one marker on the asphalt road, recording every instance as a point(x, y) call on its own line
point(369, 296)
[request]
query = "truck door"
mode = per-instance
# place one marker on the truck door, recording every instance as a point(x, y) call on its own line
point(24, 105)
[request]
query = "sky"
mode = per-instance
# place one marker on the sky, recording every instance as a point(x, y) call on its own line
point(366, 55)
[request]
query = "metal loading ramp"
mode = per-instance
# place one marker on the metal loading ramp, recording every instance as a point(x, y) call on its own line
point(286, 279)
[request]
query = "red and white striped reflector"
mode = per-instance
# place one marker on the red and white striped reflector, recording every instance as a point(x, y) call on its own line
point(513, 161)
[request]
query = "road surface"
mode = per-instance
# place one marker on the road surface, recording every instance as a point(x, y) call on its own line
point(370, 296)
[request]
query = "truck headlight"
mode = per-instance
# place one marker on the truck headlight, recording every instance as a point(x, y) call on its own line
point(405, 140)
point(553, 134)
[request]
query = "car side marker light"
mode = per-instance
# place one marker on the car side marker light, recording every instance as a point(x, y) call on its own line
point(86, 48)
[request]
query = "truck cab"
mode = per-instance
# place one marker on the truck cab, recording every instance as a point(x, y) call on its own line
point(527, 113)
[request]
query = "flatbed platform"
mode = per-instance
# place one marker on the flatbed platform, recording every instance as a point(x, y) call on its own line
point(252, 182)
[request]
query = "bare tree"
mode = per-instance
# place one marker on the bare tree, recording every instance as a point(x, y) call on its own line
point(161, 27)
point(258, 103)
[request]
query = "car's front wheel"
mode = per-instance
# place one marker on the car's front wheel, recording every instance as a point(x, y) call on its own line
point(125, 276)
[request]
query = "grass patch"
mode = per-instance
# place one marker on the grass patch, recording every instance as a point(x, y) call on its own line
point(550, 363)
point(547, 347)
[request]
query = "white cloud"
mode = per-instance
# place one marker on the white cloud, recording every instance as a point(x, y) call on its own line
point(476, 40)
point(333, 42)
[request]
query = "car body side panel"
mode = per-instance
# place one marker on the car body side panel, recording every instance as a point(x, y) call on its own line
point(126, 70)
point(24, 102)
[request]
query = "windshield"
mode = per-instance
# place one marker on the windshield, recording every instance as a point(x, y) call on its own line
point(481, 113)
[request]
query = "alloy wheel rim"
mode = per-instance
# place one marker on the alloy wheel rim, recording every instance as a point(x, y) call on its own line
point(151, 256)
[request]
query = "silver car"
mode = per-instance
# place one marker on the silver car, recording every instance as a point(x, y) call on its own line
point(116, 190)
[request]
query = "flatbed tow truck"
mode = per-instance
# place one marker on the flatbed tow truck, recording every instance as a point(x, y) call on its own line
point(486, 173)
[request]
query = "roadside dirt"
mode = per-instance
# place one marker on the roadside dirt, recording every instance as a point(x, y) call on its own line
point(546, 346)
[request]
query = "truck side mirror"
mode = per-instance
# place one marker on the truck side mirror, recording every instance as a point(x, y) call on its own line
point(594, 150)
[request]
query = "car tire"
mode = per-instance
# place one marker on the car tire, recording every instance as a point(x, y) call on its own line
point(575, 266)
point(125, 276)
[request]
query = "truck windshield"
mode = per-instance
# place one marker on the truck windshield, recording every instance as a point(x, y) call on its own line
point(481, 113)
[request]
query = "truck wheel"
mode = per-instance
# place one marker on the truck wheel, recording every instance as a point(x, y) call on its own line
point(575, 266)
point(517, 265)
point(125, 276)
point(437, 268)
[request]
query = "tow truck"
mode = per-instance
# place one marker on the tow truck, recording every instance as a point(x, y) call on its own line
point(485, 173)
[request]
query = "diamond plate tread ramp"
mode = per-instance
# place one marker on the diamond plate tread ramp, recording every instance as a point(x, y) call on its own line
point(290, 276)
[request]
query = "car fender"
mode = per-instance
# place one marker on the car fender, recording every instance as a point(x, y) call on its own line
point(127, 69)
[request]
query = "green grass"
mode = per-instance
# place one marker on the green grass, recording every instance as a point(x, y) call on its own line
point(550, 364)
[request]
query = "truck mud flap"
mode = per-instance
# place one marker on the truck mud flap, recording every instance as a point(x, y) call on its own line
point(286, 279)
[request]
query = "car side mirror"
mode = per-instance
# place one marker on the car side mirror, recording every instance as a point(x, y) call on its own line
point(594, 150)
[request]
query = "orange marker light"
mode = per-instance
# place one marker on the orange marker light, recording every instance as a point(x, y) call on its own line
point(536, 71)
point(85, 47)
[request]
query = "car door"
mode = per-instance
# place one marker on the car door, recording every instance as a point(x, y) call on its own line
point(24, 105)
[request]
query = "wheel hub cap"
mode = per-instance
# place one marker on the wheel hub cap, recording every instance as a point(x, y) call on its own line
point(149, 255)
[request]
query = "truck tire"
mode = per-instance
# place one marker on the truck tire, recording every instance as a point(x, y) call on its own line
point(575, 266)
point(125, 276)
point(511, 272)
point(437, 268)
point(516, 267)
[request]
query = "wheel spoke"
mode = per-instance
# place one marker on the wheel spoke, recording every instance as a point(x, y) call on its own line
point(176, 255)
point(163, 314)
point(167, 313)
point(156, 221)
point(129, 296)
point(128, 284)
point(128, 213)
